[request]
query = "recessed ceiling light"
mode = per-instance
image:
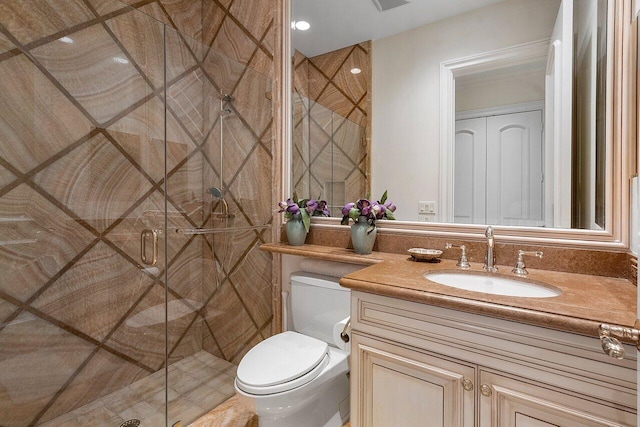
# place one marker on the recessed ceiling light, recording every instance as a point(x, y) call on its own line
point(66, 39)
point(356, 71)
point(302, 25)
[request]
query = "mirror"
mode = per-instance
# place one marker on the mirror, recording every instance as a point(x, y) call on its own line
point(467, 112)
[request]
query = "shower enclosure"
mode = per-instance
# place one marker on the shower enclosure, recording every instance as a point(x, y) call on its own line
point(128, 290)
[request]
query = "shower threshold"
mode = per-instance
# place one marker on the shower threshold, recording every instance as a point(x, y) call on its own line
point(197, 384)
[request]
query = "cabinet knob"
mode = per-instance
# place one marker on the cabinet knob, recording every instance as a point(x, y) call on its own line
point(467, 384)
point(485, 390)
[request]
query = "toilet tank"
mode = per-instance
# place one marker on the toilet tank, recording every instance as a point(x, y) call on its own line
point(317, 303)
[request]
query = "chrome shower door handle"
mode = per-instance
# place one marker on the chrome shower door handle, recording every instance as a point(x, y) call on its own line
point(143, 247)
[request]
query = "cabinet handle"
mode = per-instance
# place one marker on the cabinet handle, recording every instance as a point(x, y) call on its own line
point(467, 384)
point(485, 390)
point(143, 246)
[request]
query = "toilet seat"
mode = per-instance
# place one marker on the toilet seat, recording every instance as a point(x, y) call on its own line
point(282, 362)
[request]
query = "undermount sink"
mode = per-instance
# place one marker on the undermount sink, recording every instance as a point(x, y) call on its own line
point(495, 285)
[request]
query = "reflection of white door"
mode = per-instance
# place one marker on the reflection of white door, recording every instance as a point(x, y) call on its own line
point(470, 171)
point(498, 170)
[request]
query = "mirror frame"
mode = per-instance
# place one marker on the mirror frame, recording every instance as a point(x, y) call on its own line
point(621, 139)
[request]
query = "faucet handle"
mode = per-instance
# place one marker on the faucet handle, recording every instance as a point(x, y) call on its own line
point(463, 262)
point(520, 269)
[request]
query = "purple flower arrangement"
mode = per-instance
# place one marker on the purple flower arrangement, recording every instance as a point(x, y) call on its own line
point(306, 208)
point(382, 209)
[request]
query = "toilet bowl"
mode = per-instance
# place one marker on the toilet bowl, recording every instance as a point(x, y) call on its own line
point(299, 378)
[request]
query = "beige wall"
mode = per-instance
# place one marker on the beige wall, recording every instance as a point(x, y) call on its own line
point(406, 91)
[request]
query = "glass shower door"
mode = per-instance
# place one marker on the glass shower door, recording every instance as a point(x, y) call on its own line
point(82, 153)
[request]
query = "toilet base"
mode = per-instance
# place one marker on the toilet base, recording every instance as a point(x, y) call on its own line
point(329, 407)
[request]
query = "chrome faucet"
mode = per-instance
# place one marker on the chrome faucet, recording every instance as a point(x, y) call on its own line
point(489, 258)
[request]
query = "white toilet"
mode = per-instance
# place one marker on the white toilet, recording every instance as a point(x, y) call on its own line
point(299, 378)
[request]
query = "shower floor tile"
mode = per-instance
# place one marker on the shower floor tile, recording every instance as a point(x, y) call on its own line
point(197, 384)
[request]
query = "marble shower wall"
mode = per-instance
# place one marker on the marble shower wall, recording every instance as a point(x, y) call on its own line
point(82, 128)
point(332, 125)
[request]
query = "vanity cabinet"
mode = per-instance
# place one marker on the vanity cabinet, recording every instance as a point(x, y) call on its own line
point(418, 365)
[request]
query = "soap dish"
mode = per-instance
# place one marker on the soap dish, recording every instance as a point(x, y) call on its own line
point(422, 254)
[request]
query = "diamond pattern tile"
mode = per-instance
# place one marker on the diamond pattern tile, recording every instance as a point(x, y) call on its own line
point(249, 187)
point(141, 336)
point(141, 135)
point(254, 16)
point(213, 15)
point(224, 71)
point(185, 187)
point(354, 85)
point(231, 324)
point(95, 71)
point(142, 37)
point(95, 181)
point(190, 342)
point(238, 143)
point(32, 224)
point(6, 177)
point(329, 63)
point(185, 98)
point(30, 20)
point(69, 242)
point(190, 268)
point(5, 44)
point(153, 10)
point(209, 343)
point(149, 215)
point(36, 359)
point(33, 110)
point(95, 293)
point(251, 101)
point(334, 134)
point(186, 16)
point(262, 62)
point(234, 43)
point(230, 247)
point(252, 279)
point(6, 309)
point(105, 373)
point(104, 7)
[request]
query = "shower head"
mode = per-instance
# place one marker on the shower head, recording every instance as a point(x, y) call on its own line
point(215, 192)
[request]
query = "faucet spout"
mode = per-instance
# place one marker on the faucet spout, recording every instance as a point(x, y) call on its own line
point(489, 259)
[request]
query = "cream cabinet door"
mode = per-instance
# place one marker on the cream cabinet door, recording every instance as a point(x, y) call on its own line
point(512, 402)
point(393, 386)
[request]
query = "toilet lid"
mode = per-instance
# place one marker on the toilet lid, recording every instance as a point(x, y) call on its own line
point(281, 359)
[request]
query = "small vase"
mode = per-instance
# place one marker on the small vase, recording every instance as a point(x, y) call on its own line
point(296, 233)
point(362, 241)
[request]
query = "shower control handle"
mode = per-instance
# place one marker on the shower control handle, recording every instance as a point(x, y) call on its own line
point(146, 233)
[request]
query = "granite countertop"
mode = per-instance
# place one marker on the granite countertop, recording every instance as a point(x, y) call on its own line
point(586, 301)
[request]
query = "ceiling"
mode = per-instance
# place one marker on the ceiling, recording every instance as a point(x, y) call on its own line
point(339, 23)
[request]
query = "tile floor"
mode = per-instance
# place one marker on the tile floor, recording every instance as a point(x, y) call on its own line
point(231, 414)
point(197, 384)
